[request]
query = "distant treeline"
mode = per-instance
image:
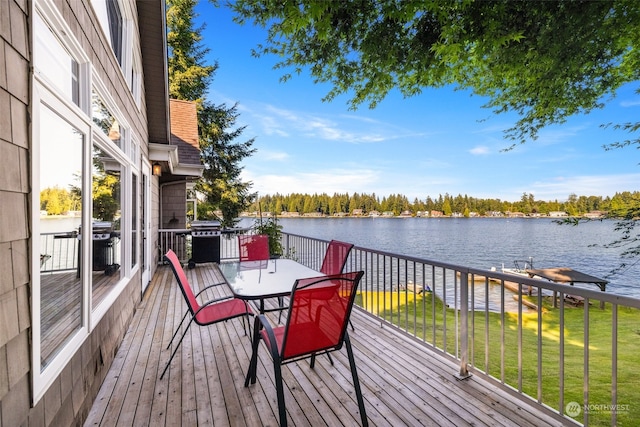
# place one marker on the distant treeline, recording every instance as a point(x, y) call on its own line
point(447, 204)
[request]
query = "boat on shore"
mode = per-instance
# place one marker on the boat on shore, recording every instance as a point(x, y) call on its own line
point(519, 268)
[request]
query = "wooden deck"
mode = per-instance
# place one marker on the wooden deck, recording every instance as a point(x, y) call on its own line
point(403, 383)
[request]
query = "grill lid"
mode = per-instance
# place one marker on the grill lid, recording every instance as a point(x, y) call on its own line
point(101, 226)
point(205, 225)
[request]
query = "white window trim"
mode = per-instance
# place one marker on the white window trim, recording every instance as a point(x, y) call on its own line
point(44, 92)
point(129, 37)
point(42, 379)
point(133, 269)
point(121, 155)
point(136, 76)
point(52, 17)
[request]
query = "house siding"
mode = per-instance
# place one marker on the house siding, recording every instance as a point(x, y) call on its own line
point(68, 400)
point(15, 320)
point(174, 201)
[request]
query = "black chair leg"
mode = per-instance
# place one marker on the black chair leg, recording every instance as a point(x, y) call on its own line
point(281, 304)
point(282, 409)
point(177, 329)
point(175, 350)
point(356, 382)
point(253, 363)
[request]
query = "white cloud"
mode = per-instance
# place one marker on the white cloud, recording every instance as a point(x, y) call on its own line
point(329, 181)
point(555, 136)
point(629, 103)
point(583, 185)
point(272, 155)
point(353, 129)
point(479, 150)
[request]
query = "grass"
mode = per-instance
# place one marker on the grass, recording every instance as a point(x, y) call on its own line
point(500, 338)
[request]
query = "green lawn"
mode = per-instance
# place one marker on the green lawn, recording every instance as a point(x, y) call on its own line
point(502, 344)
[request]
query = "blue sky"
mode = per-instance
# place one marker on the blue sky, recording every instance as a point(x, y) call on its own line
point(439, 142)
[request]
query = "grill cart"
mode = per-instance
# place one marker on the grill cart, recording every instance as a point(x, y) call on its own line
point(104, 239)
point(205, 242)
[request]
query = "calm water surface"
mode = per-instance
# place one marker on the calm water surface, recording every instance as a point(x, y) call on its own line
point(484, 242)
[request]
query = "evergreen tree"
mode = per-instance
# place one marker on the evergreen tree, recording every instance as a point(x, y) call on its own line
point(189, 80)
point(189, 77)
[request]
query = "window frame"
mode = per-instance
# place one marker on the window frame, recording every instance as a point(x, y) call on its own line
point(119, 154)
point(46, 93)
point(43, 378)
point(129, 39)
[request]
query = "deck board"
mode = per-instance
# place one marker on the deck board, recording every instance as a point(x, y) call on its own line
point(403, 382)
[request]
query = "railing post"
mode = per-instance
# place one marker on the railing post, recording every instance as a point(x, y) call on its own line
point(285, 244)
point(464, 326)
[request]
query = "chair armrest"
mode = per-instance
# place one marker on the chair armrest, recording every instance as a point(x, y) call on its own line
point(260, 322)
point(208, 287)
point(215, 300)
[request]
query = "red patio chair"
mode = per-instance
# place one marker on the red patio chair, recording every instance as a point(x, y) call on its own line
point(335, 259)
point(205, 314)
point(317, 323)
point(253, 247)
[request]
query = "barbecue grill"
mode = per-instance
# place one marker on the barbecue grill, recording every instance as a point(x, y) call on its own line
point(103, 238)
point(205, 242)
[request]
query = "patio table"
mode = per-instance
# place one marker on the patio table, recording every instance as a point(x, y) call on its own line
point(258, 280)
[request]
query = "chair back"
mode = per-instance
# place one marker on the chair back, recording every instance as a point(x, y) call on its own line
point(253, 247)
point(183, 283)
point(335, 257)
point(319, 313)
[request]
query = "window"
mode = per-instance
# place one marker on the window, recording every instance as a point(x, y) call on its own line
point(116, 19)
point(105, 120)
point(134, 220)
point(135, 82)
point(115, 28)
point(111, 20)
point(61, 189)
point(54, 63)
point(106, 197)
point(85, 191)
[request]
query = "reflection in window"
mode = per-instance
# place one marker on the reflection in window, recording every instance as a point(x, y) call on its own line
point(53, 61)
point(112, 22)
point(134, 220)
point(107, 205)
point(104, 119)
point(61, 147)
point(115, 28)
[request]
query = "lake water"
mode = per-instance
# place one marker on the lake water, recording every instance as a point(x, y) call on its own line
point(484, 242)
point(472, 242)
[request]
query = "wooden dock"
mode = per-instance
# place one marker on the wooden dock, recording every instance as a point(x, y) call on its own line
point(403, 382)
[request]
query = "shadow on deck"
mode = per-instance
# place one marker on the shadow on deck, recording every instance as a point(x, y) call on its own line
point(403, 383)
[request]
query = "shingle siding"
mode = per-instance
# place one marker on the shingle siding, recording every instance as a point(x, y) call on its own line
point(14, 314)
point(68, 400)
